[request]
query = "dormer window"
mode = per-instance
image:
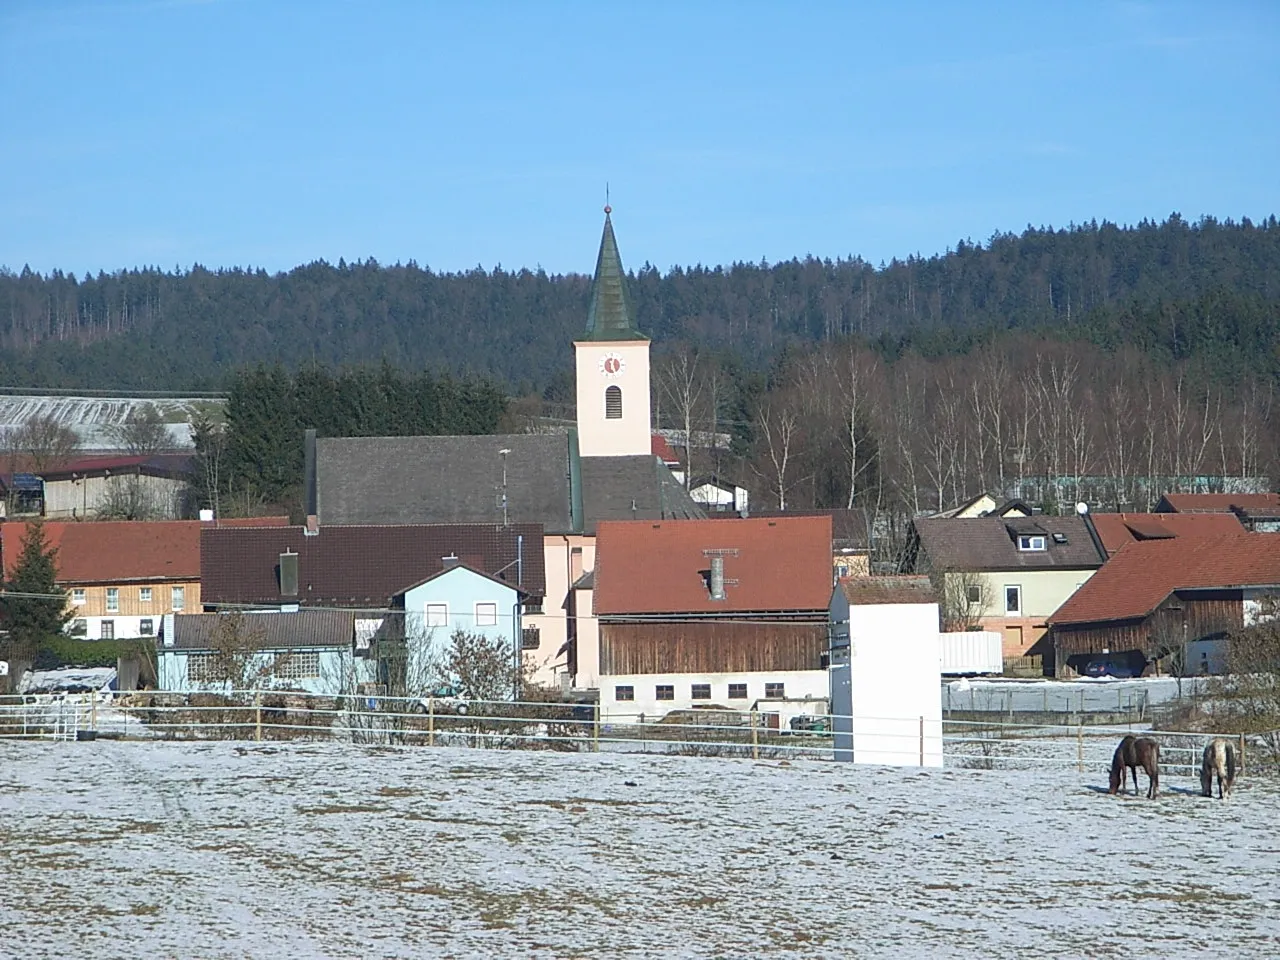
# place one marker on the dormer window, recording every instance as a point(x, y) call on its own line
point(1030, 542)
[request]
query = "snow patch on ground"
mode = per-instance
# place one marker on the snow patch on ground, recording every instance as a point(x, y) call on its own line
point(330, 850)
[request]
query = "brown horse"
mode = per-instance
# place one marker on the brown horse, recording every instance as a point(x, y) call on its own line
point(1135, 752)
point(1220, 760)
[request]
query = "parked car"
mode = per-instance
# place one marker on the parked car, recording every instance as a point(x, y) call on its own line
point(442, 700)
point(1119, 669)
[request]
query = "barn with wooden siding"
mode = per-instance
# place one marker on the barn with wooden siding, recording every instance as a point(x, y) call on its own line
point(1155, 598)
point(696, 613)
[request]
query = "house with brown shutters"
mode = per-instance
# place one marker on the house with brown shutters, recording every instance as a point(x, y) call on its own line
point(726, 613)
point(1005, 573)
point(1173, 599)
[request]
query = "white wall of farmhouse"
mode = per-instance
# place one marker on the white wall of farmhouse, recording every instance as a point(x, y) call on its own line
point(797, 686)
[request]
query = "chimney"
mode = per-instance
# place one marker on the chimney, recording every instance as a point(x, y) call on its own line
point(449, 562)
point(288, 574)
point(717, 578)
point(309, 481)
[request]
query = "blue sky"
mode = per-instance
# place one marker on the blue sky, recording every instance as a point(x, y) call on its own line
point(251, 132)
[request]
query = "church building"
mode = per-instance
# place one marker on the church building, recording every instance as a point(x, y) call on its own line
point(602, 469)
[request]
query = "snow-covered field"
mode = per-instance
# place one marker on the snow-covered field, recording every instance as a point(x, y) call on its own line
point(117, 849)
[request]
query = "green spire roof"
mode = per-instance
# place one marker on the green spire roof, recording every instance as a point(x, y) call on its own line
point(609, 318)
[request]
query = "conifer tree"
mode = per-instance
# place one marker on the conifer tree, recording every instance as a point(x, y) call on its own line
point(35, 609)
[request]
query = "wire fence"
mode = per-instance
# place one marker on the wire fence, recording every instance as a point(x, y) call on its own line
point(569, 727)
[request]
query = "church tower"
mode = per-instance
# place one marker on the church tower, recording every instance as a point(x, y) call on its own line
point(612, 365)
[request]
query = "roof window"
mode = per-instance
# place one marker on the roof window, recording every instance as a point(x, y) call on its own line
point(1030, 543)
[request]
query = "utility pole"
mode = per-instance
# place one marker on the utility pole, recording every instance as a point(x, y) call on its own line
point(503, 453)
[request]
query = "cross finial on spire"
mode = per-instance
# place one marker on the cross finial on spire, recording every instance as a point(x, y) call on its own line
point(607, 209)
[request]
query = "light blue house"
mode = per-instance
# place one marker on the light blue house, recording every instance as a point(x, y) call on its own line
point(457, 598)
point(311, 650)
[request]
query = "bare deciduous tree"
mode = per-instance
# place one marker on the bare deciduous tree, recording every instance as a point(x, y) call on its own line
point(45, 441)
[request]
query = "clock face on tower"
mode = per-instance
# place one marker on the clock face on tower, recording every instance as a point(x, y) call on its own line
point(612, 365)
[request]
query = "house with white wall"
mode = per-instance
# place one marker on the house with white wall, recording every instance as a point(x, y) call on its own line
point(886, 671)
point(727, 613)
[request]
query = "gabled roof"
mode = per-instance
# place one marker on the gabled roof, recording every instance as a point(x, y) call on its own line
point(663, 568)
point(907, 588)
point(1217, 502)
point(431, 480)
point(1141, 575)
point(119, 551)
point(991, 543)
point(357, 566)
point(269, 631)
point(450, 567)
point(1117, 529)
point(848, 527)
point(632, 488)
point(609, 318)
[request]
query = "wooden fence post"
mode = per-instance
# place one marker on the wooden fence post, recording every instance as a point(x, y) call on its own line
point(922, 741)
point(1080, 748)
point(1241, 753)
point(257, 714)
point(595, 730)
point(755, 735)
point(93, 710)
point(431, 721)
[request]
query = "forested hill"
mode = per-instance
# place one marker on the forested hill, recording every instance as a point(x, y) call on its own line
point(1211, 288)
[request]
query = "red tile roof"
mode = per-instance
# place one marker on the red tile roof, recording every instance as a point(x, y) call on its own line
point(770, 565)
point(662, 450)
point(121, 551)
point(161, 463)
point(1117, 529)
point(1135, 581)
point(1219, 502)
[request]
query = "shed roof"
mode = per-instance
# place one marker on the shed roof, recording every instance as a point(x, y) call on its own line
point(770, 565)
point(904, 588)
point(1142, 574)
point(361, 565)
point(1117, 529)
point(161, 464)
point(991, 543)
point(269, 631)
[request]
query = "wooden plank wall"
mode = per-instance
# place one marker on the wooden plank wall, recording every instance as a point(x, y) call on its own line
point(709, 646)
point(1204, 615)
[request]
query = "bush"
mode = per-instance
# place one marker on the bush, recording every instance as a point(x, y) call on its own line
point(64, 651)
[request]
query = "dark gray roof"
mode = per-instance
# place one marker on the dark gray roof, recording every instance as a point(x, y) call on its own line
point(633, 488)
point(609, 317)
point(389, 480)
point(991, 543)
point(268, 631)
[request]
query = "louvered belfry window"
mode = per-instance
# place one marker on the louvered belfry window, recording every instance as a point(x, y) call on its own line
point(613, 403)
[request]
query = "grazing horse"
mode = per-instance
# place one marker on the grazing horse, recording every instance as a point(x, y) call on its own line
point(1219, 760)
point(1135, 752)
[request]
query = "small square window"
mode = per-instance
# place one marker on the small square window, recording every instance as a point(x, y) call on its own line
point(530, 638)
point(107, 630)
point(78, 627)
point(77, 596)
point(974, 594)
point(486, 614)
point(664, 691)
point(775, 691)
point(737, 691)
point(144, 594)
point(113, 599)
point(437, 614)
point(1030, 542)
point(147, 627)
point(178, 598)
point(624, 693)
point(700, 691)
